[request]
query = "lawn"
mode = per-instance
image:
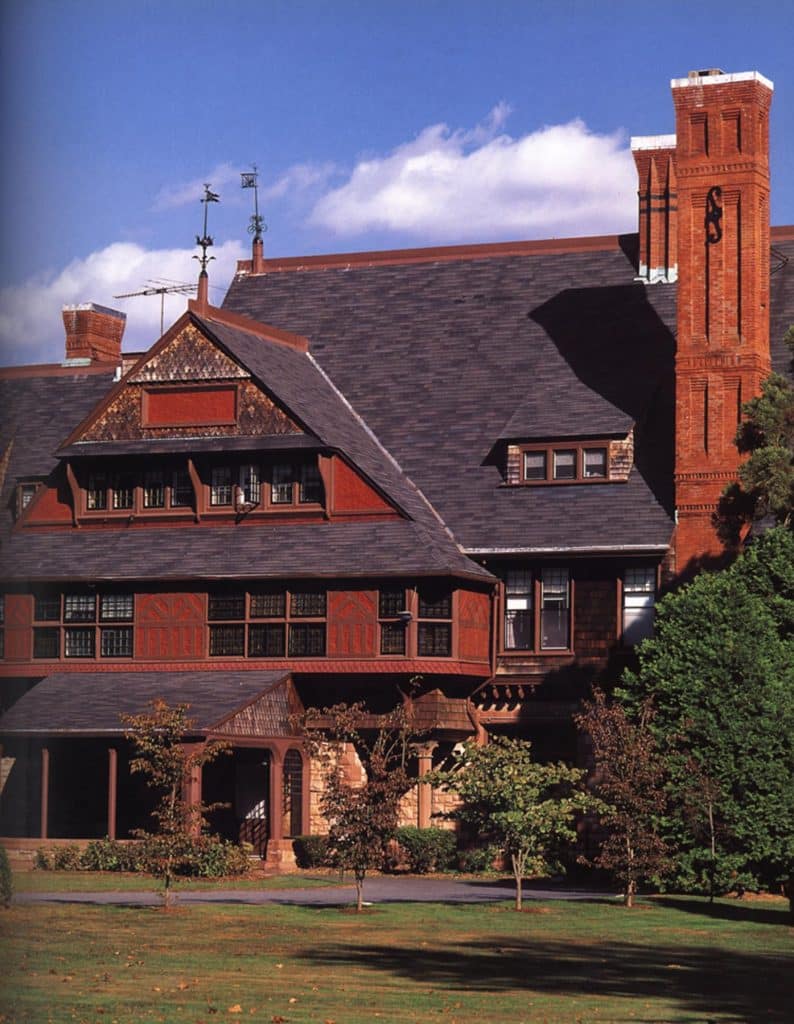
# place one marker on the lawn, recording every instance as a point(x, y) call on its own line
point(668, 960)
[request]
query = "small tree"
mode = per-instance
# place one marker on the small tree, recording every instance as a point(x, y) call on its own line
point(529, 809)
point(158, 736)
point(629, 777)
point(363, 814)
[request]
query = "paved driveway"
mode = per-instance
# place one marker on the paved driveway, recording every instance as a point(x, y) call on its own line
point(376, 890)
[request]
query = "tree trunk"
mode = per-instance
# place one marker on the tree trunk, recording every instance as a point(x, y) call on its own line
point(359, 892)
point(631, 888)
point(518, 874)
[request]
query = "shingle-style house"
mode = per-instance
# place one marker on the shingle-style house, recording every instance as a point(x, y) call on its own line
point(456, 477)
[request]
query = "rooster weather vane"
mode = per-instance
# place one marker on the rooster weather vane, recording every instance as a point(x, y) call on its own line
point(206, 240)
point(250, 179)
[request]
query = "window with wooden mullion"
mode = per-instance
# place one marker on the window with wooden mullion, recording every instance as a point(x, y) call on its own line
point(434, 629)
point(265, 629)
point(391, 601)
point(569, 462)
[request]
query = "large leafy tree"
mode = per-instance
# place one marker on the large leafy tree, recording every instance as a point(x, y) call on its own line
point(720, 673)
point(528, 809)
point(630, 777)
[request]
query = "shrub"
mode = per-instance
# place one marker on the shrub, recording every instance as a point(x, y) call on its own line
point(311, 851)
point(6, 887)
point(66, 858)
point(477, 859)
point(42, 861)
point(111, 855)
point(427, 849)
point(210, 857)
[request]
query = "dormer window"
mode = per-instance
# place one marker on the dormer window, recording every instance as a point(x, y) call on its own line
point(564, 463)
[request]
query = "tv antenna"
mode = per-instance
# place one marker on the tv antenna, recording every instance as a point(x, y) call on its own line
point(250, 179)
point(161, 288)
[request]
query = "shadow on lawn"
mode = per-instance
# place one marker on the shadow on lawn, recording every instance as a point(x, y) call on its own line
point(703, 981)
point(749, 913)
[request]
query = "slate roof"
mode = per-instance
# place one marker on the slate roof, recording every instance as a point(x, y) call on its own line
point(301, 550)
point(445, 360)
point(38, 411)
point(50, 706)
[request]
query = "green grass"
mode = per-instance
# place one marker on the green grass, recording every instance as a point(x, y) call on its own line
point(117, 881)
point(668, 960)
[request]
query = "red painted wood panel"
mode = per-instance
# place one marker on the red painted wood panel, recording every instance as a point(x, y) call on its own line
point(353, 494)
point(18, 620)
point(189, 406)
point(170, 627)
point(352, 623)
point(51, 505)
point(474, 625)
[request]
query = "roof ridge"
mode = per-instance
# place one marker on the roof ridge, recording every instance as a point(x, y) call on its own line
point(382, 447)
point(267, 332)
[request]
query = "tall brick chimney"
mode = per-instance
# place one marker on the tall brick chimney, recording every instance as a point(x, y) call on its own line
point(722, 354)
point(654, 156)
point(93, 332)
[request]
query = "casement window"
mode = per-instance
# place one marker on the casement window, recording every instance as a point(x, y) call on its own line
point(25, 493)
point(145, 491)
point(250, 484)
point(295, 483)
point(221, 485)
point(153, 489)
point(96, 494)
point(564, 463)
point(537, 610)
point(519, 611)
point(123, 492)
point(181, 489)
point(83, 627)
point(434, 629)
point(391, 602)
point(555, 623)
point(639, 601)
point(267, 623)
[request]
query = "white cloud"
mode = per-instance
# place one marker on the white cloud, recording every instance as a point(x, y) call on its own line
point(297, 179)
point(31, 328)
point(171, 196)
point(560, 180)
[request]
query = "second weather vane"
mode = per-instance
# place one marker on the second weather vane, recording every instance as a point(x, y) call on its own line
point(250, 179)
point(206, 240)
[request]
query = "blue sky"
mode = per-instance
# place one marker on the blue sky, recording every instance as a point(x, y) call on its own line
point(374, 125)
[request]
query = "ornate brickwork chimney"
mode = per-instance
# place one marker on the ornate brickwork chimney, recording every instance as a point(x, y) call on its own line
point(654, 156)
point(722, 355)
point(93, 332)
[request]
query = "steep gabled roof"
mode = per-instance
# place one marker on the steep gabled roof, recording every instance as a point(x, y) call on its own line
point(447, 358)
point(39, 407)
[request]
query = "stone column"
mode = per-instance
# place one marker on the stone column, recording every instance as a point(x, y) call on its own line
point(424, 753)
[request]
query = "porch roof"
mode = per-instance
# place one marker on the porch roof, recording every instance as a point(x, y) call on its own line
point(91, 703)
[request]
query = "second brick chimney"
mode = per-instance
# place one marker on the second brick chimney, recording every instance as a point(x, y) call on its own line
point(93, 332)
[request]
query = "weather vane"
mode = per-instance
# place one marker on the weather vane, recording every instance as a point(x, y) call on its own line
point(249, 179)
point(205, 240)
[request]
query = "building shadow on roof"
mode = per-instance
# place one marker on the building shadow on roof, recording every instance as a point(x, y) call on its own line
point(616, 343)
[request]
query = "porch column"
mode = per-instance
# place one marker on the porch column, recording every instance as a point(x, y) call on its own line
point(45, 792)
point(113, 781)
point(424, 752)
point(191, 787)
point(276, 823)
